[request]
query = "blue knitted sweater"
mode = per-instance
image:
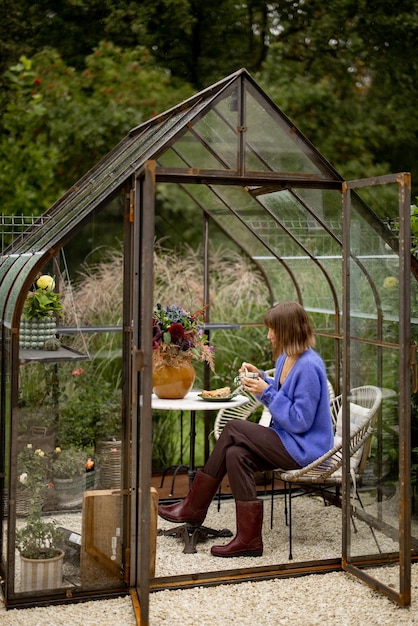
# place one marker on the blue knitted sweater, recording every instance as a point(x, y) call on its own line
point(300, 408)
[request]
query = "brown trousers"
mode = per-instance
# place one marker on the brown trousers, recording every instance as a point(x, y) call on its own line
point(243, 449)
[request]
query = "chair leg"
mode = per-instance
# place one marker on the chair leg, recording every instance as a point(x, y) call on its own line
point(371, 527)
point(272, 500)
point(290, 522)
point(285, 505)
point(176, 471)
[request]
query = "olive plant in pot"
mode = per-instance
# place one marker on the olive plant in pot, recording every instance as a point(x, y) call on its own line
point(38, 322)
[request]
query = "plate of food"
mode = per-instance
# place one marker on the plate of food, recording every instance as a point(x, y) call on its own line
point(223, 394)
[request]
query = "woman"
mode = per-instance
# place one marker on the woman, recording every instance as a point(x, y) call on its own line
point(300, 431)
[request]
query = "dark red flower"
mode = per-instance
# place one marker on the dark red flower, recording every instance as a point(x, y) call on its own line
point(176, 332)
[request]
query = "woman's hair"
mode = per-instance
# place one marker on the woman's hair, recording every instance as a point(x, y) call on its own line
point(293, 330)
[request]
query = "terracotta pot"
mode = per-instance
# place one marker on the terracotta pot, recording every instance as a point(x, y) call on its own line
point(37, 574)
point(173, 381)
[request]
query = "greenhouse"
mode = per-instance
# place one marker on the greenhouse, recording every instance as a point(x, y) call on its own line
point(255, 185)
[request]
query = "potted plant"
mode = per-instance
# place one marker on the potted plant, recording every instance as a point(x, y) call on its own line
point(68, 471)
point(41, 557)
point(38, 541)
point(38, 322)
point(178, 338)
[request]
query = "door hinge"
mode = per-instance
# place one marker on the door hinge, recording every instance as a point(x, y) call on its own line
point(138, 360)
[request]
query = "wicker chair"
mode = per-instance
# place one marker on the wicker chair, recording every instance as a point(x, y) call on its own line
point(327, 470)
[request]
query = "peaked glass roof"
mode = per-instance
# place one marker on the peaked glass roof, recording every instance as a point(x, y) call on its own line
point(228, 132)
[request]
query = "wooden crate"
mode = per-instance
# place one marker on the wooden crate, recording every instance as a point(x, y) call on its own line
point(101, 548)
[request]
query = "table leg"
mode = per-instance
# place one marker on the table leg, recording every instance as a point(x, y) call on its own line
point(192, 468)
point(180, 466)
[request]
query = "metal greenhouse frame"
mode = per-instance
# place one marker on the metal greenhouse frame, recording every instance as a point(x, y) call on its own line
point(251, 174)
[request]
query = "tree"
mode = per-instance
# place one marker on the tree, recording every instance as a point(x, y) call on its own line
point(339, 70)
point(59, 121)
point(345, 71)
point(196, 40)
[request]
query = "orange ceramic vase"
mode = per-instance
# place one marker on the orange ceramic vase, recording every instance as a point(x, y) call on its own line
point(173, 381)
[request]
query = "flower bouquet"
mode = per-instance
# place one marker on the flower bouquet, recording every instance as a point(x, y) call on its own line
point(178, 338)
point(178, 334)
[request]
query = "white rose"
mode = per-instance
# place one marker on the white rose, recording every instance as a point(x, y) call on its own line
point(23, 478)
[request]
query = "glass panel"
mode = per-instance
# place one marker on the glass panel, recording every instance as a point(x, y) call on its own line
point(68, 464)
point(245, 226)
point(212, 143)
point(271, 143)
point(65, 471)
point(274, 227)
point(255, 223)
point(5, 377)
point(194, 151)
point(375, 340)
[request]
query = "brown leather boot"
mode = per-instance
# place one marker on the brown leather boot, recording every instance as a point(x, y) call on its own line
point(194, 507)
point(248, 540)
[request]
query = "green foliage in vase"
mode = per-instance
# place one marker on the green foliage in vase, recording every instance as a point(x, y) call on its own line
point(177, 333)
point(40, 304)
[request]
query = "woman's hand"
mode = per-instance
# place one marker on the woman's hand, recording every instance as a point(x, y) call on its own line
point(248, 367)
point(255, 386)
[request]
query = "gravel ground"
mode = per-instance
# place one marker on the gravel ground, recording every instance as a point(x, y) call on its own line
point(316, 535)
point(309, 600)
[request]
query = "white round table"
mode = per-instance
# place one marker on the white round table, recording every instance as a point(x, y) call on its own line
point(193, 402)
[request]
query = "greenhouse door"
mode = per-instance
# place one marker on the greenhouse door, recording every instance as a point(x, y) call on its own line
point(141, 271)
point(377, 351)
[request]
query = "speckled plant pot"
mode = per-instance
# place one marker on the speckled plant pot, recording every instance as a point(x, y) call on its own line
point(34, 332)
